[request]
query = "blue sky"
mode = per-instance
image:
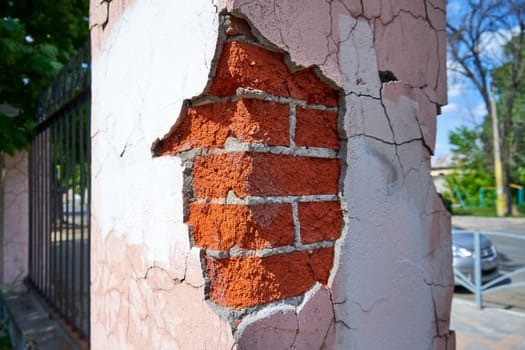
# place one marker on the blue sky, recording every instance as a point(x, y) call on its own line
point(465, 106)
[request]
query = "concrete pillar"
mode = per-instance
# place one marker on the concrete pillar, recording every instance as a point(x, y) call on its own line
point(14, 205)
point(261, 175)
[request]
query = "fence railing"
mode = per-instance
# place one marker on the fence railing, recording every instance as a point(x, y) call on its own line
point(59, 190)
point(504, 280)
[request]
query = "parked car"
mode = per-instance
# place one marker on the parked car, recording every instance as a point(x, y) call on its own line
point(463, 255)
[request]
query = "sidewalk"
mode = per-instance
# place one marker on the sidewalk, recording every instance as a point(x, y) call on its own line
point(513, 225)
point(489, 329)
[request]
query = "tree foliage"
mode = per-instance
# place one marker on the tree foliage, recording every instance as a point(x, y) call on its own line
point(511, 106)
point(36, 38)
point(471, 156)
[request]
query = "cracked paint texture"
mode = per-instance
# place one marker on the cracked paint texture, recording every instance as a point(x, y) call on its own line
point(15, 228)
point(391, 285)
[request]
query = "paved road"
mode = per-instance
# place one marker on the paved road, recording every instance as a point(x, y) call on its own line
point(512, 255)
point(501, 323)
point(513, 225)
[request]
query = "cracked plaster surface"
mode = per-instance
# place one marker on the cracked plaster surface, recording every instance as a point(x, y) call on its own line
point(147, 288)
point(15, 213)
point(391, 283)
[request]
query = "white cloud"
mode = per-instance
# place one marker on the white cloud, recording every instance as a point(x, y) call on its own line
point(492, 43)
point(456, 88)
point(450, 108)
point(456, 81)
point(479, 110)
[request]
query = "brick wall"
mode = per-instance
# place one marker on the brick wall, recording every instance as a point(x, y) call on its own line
point(261, 152)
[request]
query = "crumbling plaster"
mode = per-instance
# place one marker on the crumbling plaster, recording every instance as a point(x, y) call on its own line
point(391, 282)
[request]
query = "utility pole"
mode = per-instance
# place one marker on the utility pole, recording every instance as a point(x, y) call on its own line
point(501, 198)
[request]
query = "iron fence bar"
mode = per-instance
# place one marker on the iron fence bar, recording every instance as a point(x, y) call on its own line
point(464, 280)
point(39, 212)
point(54, 211)
point(67, 122)
point(59, 191)
point(82, 197)
point(487, 286)
point(60, 180)
point(73, 207)
point(35, 213)
point(477, 270)
point(47, 220)
point(88, 207)
point(31, 212)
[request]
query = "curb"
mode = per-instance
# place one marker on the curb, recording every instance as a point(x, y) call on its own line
point(30, 327)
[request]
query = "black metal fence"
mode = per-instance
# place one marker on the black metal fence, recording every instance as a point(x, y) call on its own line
point(59, 195)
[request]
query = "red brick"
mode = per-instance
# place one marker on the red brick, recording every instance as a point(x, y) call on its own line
point(321, 262)
point(221, 227)
point(204, 126)
point(210, 125)
point(263, 122)
point(250, 281)
point(261, 174)
point(250, 66)
point(309, 87)
point(320, 221)
point(316, 128)
point(214, 176)
point(280, 175)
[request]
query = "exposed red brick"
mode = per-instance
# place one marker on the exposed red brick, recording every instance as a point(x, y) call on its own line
point(260, 174)
point(316, 128)
point(221, 227)
point(204, 126)
point(261, 121)
point(210, 125)
point(320, 221)
point(321, 262)
point(309, 87)
point(250, 281)
point(250, 66)
point(214, 176)
point(239, 282)
point(280, 175)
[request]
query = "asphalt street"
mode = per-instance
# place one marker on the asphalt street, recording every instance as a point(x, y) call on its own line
point(500, 325)
point(512, 256)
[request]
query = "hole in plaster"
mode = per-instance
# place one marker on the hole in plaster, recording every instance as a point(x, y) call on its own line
point(385, 76)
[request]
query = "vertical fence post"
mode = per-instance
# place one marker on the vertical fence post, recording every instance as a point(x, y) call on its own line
point(477, 269)
point(482, 197)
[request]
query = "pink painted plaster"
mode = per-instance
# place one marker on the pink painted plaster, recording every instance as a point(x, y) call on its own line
point(415, 112)
point(307, 326)
point(140, 306)
point(15, 240)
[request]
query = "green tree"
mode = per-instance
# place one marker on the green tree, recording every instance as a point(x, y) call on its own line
point(36, 38)
point(471, 34)
point(510, 91)
point(474, 166)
